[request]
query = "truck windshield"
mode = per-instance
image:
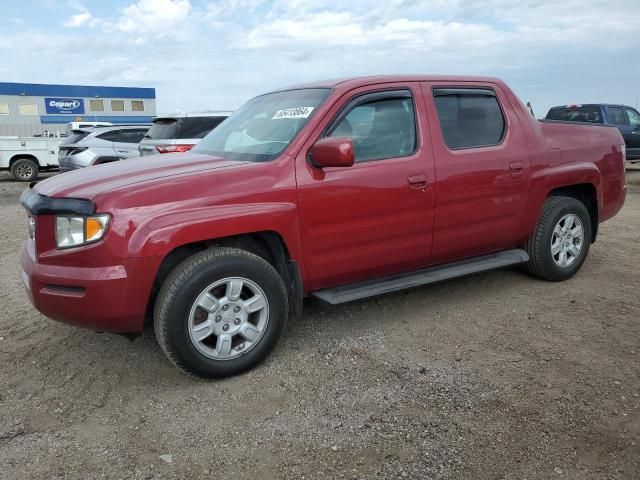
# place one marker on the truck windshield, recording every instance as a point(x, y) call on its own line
point(264, 126)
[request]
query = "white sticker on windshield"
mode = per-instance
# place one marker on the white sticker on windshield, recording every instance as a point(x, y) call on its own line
point(297, 112)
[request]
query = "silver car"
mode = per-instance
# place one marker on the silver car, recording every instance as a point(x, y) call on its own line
point(96, 145)
point(179, 132)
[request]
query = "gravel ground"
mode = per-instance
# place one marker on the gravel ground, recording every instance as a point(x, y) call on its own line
point(496, 376)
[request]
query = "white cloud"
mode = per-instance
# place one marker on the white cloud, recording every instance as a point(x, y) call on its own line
point(78, 19)
point(153, 15)
point(218, 54)
point(82, 18)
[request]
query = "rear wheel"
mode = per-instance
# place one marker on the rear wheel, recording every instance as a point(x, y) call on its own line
point(24, 170)
point(220, 312)
point(560, 242)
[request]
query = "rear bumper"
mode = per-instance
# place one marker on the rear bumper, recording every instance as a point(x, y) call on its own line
point(111, 298)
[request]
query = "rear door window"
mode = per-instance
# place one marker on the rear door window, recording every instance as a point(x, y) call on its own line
point(576, 114)
point(469, 117)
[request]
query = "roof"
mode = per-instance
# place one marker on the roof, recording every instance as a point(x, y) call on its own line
point(47, 90)
point(106, 128)
point(355, 82)
point(580, 105)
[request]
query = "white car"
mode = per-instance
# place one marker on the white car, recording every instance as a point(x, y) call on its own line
point(96, 145)
point(25, 157)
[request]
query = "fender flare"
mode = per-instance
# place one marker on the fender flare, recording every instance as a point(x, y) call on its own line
point(548, 179)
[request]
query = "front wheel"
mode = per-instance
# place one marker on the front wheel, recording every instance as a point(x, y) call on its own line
point(560, 242)
point(24, 170)
point(220, 312)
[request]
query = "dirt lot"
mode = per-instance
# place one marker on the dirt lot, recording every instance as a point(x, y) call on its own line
point(492, 376)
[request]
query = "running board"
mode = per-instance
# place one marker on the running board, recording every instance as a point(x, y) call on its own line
point(394, 283)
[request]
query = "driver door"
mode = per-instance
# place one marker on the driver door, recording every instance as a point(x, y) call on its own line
point(375, 217)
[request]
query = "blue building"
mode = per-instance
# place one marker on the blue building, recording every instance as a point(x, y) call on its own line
point(28, 109)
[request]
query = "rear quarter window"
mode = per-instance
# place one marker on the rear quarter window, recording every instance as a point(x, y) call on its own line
point(112, 136)
point(131, 136)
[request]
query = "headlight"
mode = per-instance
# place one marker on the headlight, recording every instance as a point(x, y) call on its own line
point(75, 231)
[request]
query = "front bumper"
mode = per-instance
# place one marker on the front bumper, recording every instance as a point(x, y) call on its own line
point(110, 298)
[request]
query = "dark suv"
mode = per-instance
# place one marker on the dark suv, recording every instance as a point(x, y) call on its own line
point(627, 120)
point(179, 132)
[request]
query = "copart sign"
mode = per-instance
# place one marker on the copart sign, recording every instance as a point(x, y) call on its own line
point(64, 105)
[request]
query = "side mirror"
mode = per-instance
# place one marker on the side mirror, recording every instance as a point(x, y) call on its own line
point(332, 152)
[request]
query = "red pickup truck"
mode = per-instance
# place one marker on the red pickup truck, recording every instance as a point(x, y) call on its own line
point(339, 190)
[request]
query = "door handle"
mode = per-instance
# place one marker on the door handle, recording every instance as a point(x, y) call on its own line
point(418, 181)
point(516, 168)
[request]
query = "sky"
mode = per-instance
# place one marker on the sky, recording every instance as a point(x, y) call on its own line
point(215, 55)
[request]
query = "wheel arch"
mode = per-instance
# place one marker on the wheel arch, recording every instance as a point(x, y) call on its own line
point(587, 194)
point(582, 181)
point(23, 156)
point(268, 244)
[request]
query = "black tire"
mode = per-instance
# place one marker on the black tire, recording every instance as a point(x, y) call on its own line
point(25, 170)
point(187, 281)
point(541, 263)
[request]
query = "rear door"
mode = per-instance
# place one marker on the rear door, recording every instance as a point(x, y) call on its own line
point(481, 169)
point(375, 217)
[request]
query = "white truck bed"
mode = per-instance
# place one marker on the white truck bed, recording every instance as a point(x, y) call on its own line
point(39, 151)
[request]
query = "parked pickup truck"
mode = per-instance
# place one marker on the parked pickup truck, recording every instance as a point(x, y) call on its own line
point(25, 157)
point(339, 190)
point(625, 119)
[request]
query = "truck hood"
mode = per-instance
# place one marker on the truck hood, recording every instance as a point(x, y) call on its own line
point(89, 182)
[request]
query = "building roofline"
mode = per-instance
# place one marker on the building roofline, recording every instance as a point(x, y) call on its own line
point(46, 90)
